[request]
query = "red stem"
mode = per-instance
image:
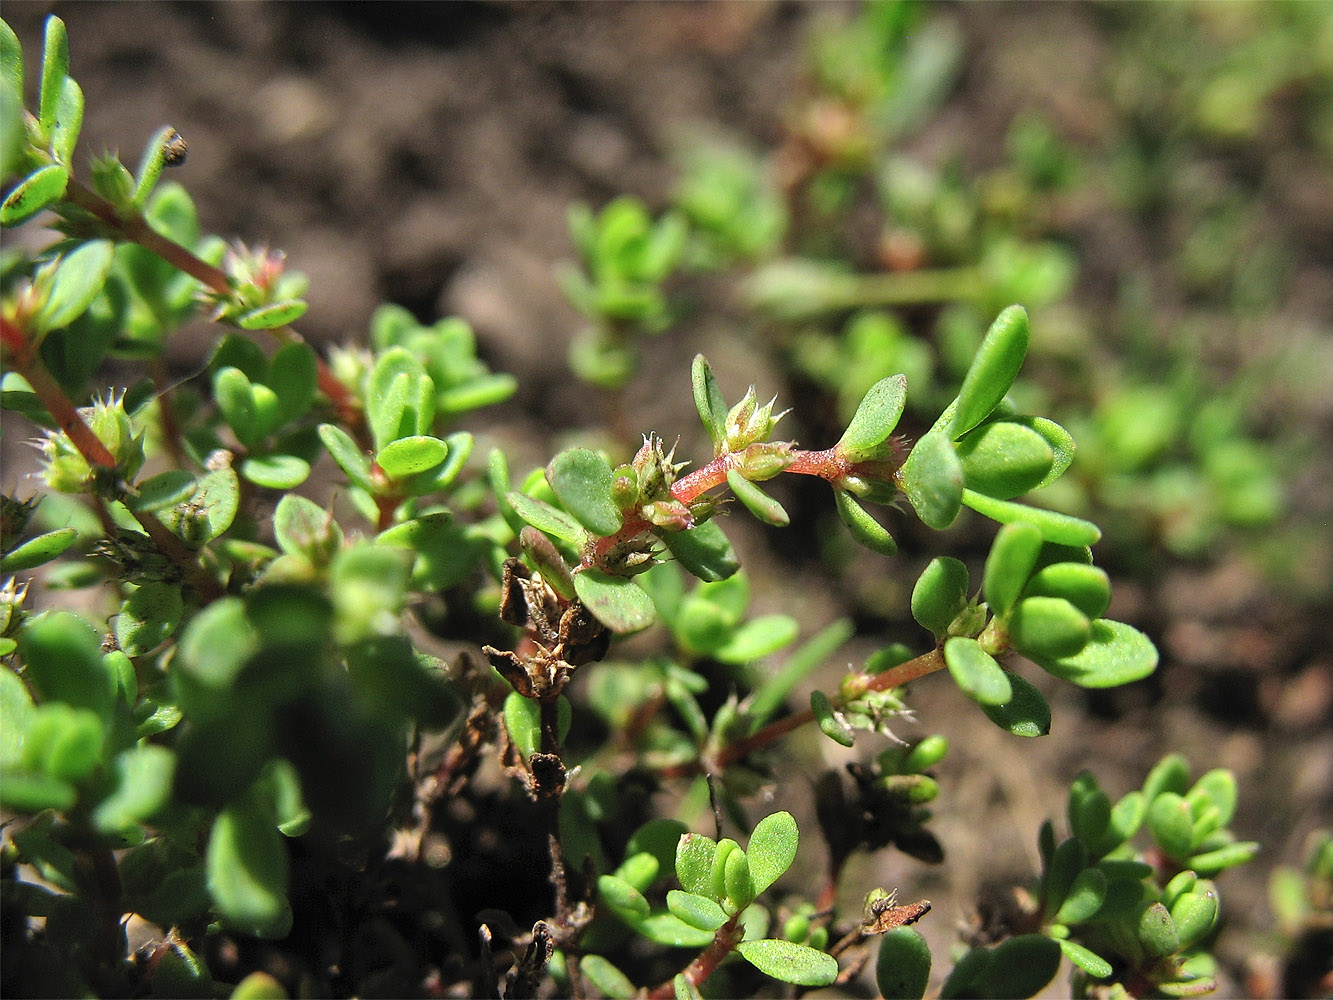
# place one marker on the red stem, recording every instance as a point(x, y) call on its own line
point(852, 688)
point(136, 229)
point(724, 942)
point(95, 453)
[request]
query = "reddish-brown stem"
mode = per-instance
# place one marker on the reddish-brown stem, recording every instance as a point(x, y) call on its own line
point(852, 688)
point(828, 465)
point(135, 228)
point(95, 453)
point(724, 942)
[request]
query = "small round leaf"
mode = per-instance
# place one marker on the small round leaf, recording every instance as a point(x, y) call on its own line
point(940, 594)
point(1026, 713)
point(581, 478)
point(932, 480)
point(1009, 564)
point(976, 672)
point(1116, 654)
point(772, 849)
point(789, 962)
point(1048, 627)
point(902, 971)
point(875, 418)
point(1004, 459)
point(409, 455)
point(619, 603)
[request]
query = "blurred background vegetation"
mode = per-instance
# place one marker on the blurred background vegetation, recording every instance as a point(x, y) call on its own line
point(861, 188)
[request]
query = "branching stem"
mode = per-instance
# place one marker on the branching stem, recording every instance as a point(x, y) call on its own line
point(724, 942)
point(852, 688)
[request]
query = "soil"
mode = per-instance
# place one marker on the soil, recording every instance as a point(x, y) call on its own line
point(426, 154)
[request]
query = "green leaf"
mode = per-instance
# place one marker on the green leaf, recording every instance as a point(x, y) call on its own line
point(1089, 811)
point(1021, 966)
point(32, 793)
point(1195, 914)
point(1170, 774)
point(704, 551)
point(63, 657)
point(55, 70)
point(149, 616)
point(739, 886)
point(1054, 527)
point(1067, 861)
point(1085, 897)
point(523, 722)
point(1026, 713)
point(369, 588)
point(670, 930)
point(1048, 627)
point(1212, 862)
point(1004, 459)
point(606, 977)
point(234, 394)
point(976, 672)
point(1086, 959)
point(349, 457)
point(874, 420)
point(1085, 587)
point(932, 480)
point(143, 776)
point(16, 708)
point(40, 189)
point(1116, 654)
point(696, 910)
point(303, 527)
point(628, 902)
point(902, 970)
point(1219, 787)
point(759, 503)
point(273, 315)
point(77, 282)
point(1013, 553)
point(63, 742)
point(409, 455)
point(259, 986)
point(219, 497)
point(38, 550)
point(276, 472)
point(694, 863)
point(789, 962)
point(757, 638)
point(581, 478)
point(166, 489)
point(992, 371)
point(1059, 440)
point(246, 864)
point(11, 59)
point(68, 122)
point(151, 163)
point(293, 374)
point(1157, 931)
point(1172, 824)
point(940, 594)
point(619, 603)
point(862, 526)
point(709, 402)
point(772, 849)
point(830, 723)
point(542, 516)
